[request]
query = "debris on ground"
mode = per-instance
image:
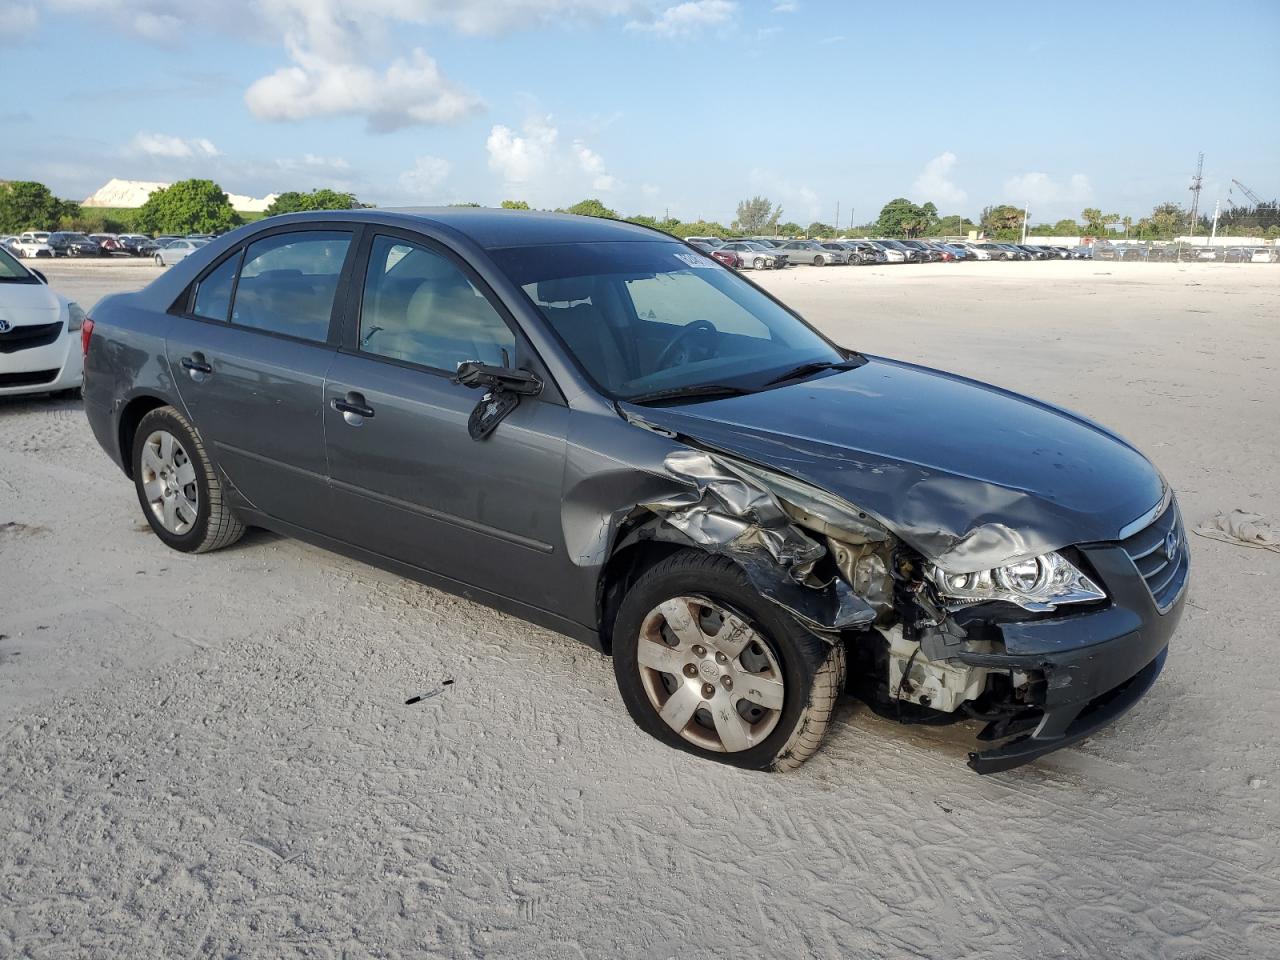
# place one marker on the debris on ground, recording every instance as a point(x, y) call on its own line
point(1243, 528)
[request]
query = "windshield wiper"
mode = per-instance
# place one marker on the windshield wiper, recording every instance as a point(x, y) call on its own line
point(702, 390)
point(813, 366)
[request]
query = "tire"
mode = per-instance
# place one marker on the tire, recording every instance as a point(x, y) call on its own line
point(211, 525)
point(759, 263)
point(810, 671)
point(818, 262)
point(159, 261)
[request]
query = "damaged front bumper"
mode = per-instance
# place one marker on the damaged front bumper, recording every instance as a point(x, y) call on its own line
point(1096, 665)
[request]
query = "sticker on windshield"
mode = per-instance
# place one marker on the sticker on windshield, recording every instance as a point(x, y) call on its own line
point(694, 260)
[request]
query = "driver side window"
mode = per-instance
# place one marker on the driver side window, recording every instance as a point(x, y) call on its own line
point(421, 308)
point(672, 298)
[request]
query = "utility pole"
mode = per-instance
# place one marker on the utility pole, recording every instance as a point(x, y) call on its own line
point(1026, 213)
point(836, 222)
point(1214, 232)
point(1196, 183)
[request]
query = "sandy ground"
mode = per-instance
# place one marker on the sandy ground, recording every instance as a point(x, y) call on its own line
point(211, 757)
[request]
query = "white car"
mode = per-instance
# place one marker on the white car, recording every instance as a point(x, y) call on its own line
point(176, 250)
point(40, 332)
point(31, 247)
point(1262, 255)
point(973, 252)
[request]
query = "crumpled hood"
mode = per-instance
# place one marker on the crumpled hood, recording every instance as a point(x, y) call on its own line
point(26, 303)
point(970, 475)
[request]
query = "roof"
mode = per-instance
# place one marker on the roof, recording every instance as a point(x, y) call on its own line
point(493, 228)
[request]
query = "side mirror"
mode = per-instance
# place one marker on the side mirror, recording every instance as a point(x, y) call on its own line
point(41, 277)
point(503, 389)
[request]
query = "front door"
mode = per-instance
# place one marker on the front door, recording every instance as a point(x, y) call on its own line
point(408, 481)
point(249, 361)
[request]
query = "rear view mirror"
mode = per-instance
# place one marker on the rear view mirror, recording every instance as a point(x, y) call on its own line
point(503, 388)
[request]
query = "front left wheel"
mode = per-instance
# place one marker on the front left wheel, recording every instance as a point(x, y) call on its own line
point(706, 665)
point(180, 492)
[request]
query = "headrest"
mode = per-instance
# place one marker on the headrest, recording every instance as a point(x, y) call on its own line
point(565, 289)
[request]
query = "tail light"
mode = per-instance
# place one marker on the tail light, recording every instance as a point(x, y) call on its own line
point(86, 331)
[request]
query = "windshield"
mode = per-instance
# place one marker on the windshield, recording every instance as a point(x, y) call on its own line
point(11, 271)
point(642, 317)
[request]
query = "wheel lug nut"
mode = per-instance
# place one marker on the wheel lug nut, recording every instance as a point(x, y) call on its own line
point(699, 651)
point(727, 682)
point(721, 658)
point(690, 670)
point(708, 691)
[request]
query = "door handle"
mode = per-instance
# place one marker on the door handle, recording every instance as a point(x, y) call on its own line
point(196, 367)
point(353, 408)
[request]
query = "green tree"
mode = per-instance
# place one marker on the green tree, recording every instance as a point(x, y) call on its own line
point(699, 228)
point(1003, 222)
point(514, 205)
point(1168, 220)
point(817, 229)
point(757, 215)
point(790, 229)
point(902, 218)
point(293, 201)
point(591, 208)
point(28, 205)
point(189, 206)
point(1066, 228)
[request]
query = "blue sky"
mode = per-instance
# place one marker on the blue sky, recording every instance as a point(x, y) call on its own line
point(651, 105)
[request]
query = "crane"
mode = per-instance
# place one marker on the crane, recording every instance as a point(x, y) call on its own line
point(1247, 192)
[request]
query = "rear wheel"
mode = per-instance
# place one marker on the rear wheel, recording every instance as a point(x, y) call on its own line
point(159, 261)
point(818, 262)
point(708, 666)
point(180, 492)
point(759, 263)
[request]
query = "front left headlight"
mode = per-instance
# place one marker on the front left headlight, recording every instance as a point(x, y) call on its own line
point(1037, 584)
point(75, 316)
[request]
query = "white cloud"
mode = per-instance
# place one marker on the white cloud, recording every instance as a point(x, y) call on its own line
point(788, 6)
point(838, 38)
point(520, 159)
point(935, 183)
point(410, 91)
point(799, 202)
point(17, 21)
point(1040, 189)
point(536, 165)
point(592, 164)
point(174, 148)
point(684, 18)
point(423, 181)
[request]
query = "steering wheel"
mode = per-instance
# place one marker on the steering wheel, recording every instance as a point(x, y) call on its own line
point(681, 349)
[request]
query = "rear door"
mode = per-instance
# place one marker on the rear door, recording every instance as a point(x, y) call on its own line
point(408, 481)
point(249, 358)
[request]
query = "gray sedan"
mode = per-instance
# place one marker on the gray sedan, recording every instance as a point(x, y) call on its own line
point(756, 255)
point(595, 428)
point(812, 253)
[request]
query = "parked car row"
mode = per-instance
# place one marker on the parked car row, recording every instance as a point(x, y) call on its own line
point(67, 243)
point(1185, 253)
point(768, 253)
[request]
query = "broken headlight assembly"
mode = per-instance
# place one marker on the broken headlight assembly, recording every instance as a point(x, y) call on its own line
point(1037, 584)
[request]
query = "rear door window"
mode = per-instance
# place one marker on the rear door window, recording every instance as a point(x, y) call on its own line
point(288, 283)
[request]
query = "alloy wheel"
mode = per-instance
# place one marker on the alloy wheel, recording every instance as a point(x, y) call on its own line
point(709, 674)
point(169, 482)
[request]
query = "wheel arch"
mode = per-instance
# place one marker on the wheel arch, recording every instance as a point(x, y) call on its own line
point(127, 425)
point(635, 551)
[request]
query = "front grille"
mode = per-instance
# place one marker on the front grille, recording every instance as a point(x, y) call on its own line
point(30, 378)
point(27, 338)
point(1165, 576)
